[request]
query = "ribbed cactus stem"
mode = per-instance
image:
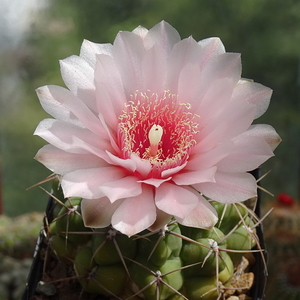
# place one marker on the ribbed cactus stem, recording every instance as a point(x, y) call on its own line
point(173, 263)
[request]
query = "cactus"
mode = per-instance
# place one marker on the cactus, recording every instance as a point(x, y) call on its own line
point(173, 263)
point(282, 233)
point(133, 132)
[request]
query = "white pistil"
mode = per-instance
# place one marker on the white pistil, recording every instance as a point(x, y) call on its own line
point(154, 135)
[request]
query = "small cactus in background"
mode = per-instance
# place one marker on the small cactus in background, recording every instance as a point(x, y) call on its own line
point(175, 262)
point(282, 234)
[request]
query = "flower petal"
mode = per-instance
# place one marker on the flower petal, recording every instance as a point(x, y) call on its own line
point(135, 214)
point(74, 105)
point(226, 65)
point(188, 83)
point(62, 162)
point(210, 101)
point(235, 118)
point(143, 167)
point(255, 93)
point(171, 171)
point(202, 216)
point(211, 47)
point(201, 161)
point(184, 52)
point(97, 213)
point(110, 95)
point(192, 177)
point(78, 76)
point(155, 181)
point(70, 138)
point(163, 35)
point(128, 52)
point(175, 200)
point(122, 188)
point(266, 132)
point(140, 31)
point(249, 153)
point(86, 183)
point(89, 51)
point(162, 219)
point(55, 108)
point(154, 61)
point(128, 164)
point(229, 187)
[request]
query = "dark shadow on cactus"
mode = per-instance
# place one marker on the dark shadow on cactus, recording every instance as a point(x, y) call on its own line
point(260, 273)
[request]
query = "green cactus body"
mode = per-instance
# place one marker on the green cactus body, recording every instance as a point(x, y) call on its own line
point(161, 246)
point(69, 220)
point(65, 251)
point(157, 280)
point(109, 246)
point(174, 263)
point(202, 288)
point(104, 280)
point(229, 215)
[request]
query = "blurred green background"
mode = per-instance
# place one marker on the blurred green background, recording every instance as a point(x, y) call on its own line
point(266, 32)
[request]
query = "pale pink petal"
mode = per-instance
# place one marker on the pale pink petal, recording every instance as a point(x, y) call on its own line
point(91, 147)
point(153, 63)
point(128, 52)
point(86, 183)
point(140, 31)
point(200, 161)
point(202, 216)
point(192, 177)
point(76, 106)
point(97, 213)
point(162, 219)
point(143, 167)
point(212, 99)
point(55, 108)
point(188, 83)
point(106, 104)
point(266, 132)
point(229, 187)
point(50, 131)
point(255, 93)
point(122, 188)
point(249, 153)
point(184, 52)
point(236, 118)
point(71, 138)
point(163, 35)
point(155, 182)
point(62, 162)
point(135, 214)
point(89, 51)
point(110, 95)
point(128, 164)
point(211, 47)
point(112, 135)
point(171, 171)
point(78, 76)
point(175, 200)
point(226, 65)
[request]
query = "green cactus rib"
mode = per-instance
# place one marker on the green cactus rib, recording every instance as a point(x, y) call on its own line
point(173, 263)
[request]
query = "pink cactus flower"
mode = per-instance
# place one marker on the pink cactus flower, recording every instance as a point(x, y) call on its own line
point(152, 126)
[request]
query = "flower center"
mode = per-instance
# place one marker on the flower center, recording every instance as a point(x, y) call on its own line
point(158, 128)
